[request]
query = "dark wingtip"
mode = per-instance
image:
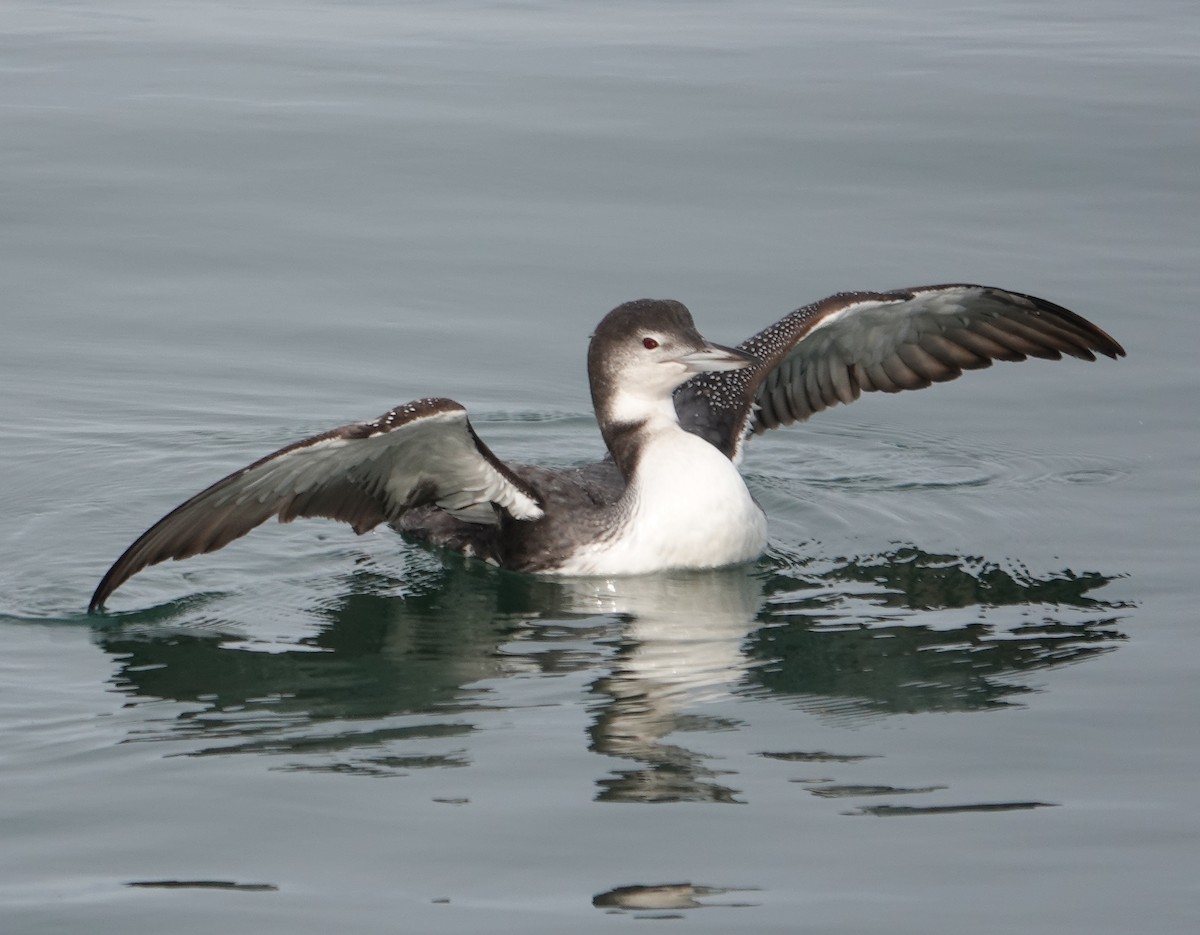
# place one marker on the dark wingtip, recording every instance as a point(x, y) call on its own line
point(1112, 348)
point(1099, 340)
point(102, 593)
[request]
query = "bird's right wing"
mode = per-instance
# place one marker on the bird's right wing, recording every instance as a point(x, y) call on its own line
point(833, 350)
point(424, 452)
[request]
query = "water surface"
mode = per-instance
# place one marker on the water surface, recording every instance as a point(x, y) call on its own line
point(957, 693)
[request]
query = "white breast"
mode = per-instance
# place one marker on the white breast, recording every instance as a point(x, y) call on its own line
point(686, 507)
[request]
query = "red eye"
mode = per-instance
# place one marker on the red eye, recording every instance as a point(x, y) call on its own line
point(649, 343)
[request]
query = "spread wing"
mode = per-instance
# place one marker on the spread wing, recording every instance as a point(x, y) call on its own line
point(832, 351)
point(424, 452)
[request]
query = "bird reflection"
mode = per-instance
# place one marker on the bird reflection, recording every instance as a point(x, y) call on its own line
point(385, 684)
point(682, 646)
point(910, 631)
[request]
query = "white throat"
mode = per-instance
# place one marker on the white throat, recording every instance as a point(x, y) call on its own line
point(633, 405)
point(686, 506)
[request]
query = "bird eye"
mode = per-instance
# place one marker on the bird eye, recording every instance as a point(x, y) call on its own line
point(649, 343)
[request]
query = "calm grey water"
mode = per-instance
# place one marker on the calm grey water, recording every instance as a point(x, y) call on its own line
point(958, 694)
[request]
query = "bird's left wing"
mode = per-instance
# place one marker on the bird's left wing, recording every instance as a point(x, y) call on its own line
point(424, 452)
point(833, 350)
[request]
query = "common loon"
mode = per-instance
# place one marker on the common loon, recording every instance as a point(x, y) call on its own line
point(674, 410)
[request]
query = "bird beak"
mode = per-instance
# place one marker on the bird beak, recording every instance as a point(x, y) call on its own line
point(716, 357)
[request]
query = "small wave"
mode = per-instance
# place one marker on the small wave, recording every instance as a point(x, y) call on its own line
point(881, 459)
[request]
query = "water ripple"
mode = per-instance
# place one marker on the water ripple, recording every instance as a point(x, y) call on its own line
point(882, 458)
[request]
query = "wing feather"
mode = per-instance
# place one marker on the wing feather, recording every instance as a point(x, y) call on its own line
point(813, 399)
point(923, 362)
point(848, 390)
point(827, 391)
point(903, 377)
point(980, 343)
point(424, 452)
point(962, 358)
point(833, 350)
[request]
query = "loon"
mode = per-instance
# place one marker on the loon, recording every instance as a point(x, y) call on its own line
point(674, 410)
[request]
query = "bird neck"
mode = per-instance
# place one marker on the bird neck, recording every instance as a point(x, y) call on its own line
point(630, 421)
